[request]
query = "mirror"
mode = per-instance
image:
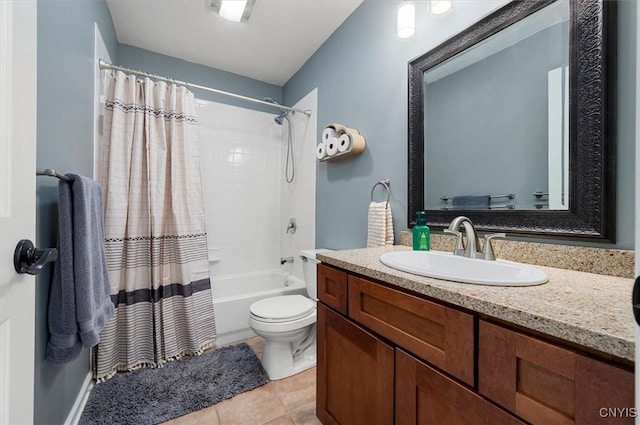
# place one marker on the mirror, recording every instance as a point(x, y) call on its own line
point(503, 104)
point(511, 123)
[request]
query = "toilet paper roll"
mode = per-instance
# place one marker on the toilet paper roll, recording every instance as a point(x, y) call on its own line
point(329, 132)
point(344, 143)
point(321, 151)
point(332, 146)
point(339, 128)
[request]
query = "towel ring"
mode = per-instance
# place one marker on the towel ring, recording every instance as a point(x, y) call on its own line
point(384, 183)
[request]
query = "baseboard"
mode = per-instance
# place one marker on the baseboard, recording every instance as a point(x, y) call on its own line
point(235, 336)
point(76, 411)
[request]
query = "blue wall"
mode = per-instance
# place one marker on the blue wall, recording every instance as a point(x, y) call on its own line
point(64, 142)
point(168, 66)
point(361, 75)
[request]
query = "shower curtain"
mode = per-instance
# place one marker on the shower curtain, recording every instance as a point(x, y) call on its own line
point(155, 238)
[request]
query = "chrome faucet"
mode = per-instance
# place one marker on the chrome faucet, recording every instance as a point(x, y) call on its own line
point(286, 260)
point(473, 244)
point(472, 249)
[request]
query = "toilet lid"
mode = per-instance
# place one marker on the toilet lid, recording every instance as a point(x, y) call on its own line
point(283, 308)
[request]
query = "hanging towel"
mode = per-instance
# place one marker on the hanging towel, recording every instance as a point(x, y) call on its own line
point(380, 225)
point(79, 301)
point(477, 201)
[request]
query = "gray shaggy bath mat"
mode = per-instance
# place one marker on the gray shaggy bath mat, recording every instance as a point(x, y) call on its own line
point(152, 396)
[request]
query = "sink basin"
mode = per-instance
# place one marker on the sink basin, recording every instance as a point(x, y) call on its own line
point(442, 265)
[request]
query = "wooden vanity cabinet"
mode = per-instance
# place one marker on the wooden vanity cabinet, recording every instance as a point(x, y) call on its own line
point(332, 287)
point(425, 396)
point(440, 335)
point(545, 383)
point(355, 373)
point(386, 357)
point(360, 323)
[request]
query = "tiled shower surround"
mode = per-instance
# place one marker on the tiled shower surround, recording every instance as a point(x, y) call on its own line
point(247, 201)
point(240, 160)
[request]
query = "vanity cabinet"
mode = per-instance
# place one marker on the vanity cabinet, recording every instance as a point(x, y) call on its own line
point(426, 396)
point(355, 373)
point(440, 335)
point(387, 356)
point(332, 288)
point(545, 383)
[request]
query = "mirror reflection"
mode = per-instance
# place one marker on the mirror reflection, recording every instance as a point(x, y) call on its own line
point(496, 120)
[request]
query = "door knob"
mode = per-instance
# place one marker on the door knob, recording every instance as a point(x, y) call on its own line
point(636, 300)
point(31, 260)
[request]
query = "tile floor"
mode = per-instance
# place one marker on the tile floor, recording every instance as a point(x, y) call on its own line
point(289, 401)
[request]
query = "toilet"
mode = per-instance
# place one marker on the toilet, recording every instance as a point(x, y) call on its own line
point(288, 325)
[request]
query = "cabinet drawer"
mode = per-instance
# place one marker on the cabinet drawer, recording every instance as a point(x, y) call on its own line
point(440, 335)
point(424, 396)
point(332, 287)
point(545, 383)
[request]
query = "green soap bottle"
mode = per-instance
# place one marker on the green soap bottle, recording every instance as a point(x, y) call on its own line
point(421, 233)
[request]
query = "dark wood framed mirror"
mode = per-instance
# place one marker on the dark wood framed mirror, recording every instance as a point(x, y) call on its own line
point(589, 209)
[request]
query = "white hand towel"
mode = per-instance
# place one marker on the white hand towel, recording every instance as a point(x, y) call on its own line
point(380, 225)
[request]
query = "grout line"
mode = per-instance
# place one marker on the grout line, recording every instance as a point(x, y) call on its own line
point(215, 409)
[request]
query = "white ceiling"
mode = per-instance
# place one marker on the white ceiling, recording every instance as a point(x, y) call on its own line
point(279, 38)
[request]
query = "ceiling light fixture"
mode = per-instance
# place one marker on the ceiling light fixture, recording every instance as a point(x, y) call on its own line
point(439, 7)
point(233, 10)
point(406, 19)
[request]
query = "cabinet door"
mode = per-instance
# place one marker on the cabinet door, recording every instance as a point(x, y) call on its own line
point(548, 384)
point(426, 397)
point(440, 335)
point(332, 287)
point(355, 373)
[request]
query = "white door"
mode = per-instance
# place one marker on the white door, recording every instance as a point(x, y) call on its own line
point(17, 206)
point(637, 214)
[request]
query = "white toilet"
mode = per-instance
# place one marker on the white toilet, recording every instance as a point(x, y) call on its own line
point(288, 325)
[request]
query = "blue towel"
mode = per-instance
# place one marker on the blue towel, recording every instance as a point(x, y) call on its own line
point(467, 207)
point(477, 201)
point(79, 301)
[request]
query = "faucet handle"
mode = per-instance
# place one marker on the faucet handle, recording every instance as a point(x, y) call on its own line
point(487, 250)
point(459, 248)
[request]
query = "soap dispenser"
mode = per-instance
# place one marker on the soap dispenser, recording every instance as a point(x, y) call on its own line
point(421, 233)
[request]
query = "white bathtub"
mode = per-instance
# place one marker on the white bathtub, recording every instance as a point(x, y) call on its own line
point(234, 294)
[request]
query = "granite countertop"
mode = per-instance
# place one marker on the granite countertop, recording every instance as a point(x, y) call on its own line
point(587, 309)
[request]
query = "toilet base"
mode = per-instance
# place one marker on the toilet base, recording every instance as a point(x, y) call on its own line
point(279, 362)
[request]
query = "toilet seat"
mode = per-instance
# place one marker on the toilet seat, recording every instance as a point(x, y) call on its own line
point(285, 308)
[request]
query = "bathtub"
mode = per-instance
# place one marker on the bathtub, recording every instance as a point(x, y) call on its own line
point(234, 294)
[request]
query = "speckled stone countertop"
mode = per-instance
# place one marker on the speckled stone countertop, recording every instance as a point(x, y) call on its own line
point(587, 309)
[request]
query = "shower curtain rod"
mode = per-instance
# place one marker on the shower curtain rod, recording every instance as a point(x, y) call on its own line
point(104, 65)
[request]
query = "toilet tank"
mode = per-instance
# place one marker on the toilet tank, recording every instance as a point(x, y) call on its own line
point(309, 263)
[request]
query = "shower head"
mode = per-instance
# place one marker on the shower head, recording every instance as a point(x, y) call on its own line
point(283, 112)
point(280, 118)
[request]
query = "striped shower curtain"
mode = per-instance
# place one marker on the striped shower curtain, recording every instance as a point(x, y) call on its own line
point(155, 238)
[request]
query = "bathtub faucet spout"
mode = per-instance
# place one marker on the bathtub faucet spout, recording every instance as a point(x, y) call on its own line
point(286, 260)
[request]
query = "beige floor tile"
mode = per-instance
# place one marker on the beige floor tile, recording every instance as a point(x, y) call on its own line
point(282, 420)
point(297, 390)
point(306, 415)
point(289, 401)
point(256, 343)
point(206, 416)
point(251, 408)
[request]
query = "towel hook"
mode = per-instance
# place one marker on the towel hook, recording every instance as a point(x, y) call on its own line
point(385, 183)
